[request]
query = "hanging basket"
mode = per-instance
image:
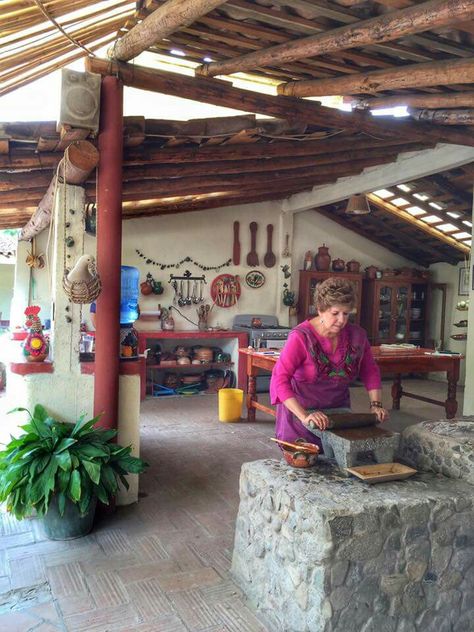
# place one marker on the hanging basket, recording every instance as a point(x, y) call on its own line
point(82, 291)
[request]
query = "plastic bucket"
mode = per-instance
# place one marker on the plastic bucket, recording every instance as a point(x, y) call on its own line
point(230, 404)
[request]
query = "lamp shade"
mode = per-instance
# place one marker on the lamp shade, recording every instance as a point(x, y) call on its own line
point(357, 205)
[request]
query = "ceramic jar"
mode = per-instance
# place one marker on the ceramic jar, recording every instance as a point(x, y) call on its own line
point(371, 272)
point(322, 260)
point(353, 266)
point(338, 265)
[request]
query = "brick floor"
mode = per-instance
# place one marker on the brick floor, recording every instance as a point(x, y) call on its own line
point(161, 565)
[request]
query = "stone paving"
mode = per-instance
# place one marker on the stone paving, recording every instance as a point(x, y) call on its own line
point(162, 565)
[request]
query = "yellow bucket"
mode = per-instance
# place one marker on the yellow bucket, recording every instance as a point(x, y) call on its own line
point(230, 404)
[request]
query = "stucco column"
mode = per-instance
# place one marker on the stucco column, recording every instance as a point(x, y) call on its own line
point(21, 286)
point(109, 252)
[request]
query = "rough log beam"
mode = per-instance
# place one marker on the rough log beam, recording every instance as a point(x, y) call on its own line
point(170, 17)
point(164, 155)
point(25, 180)
point(434, 73)
point(432, 101)
point(80, 158)
point(219, 93)
point(384, 28)
point(443, 117)
point(443, 182)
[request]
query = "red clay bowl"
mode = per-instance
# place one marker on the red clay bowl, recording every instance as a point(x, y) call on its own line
point(300, 459)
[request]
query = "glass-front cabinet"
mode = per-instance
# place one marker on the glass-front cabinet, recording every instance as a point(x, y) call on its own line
point(395, 310)
point(308, 281)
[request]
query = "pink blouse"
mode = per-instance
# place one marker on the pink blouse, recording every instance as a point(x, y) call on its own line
point(296, 362)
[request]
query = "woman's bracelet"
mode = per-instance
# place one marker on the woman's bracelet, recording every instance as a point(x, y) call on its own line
point(376, 404)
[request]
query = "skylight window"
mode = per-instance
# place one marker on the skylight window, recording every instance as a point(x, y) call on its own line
point(383, 193)
point(179, 53)
point(438, 207)
point(468, 242)
point(400, 201)
point(447, 228)
point(421, 196)
point(462, 235)
point(467, 223)
point(404, 187)
point(415, 210)
point(453, 214)
point(397, 111)
point(432, 219)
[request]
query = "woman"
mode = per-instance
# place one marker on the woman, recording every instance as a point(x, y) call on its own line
point(320, 359)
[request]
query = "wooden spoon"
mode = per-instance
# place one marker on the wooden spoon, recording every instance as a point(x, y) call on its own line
point(312, 449)
point(269, 259)
point(236, 245)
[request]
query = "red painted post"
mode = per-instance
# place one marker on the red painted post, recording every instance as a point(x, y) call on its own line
point(109, 252)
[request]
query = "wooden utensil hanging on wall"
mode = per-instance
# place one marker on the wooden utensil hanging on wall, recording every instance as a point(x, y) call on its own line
point(269, 259)
point(236, 245)
point(252, 257)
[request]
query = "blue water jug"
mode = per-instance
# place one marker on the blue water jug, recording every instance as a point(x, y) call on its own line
point(129, 279)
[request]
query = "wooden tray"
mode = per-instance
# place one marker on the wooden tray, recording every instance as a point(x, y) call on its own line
point(381, 472)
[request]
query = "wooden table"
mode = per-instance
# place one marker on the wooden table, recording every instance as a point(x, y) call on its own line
point(395, 362)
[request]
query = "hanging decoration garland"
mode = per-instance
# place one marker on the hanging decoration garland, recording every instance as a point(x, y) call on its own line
point(164, 266)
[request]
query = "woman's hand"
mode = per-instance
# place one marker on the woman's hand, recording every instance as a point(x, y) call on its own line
point(316, 419)
point(381, 413)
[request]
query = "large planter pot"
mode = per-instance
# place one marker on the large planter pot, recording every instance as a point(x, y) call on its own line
point(72, 524)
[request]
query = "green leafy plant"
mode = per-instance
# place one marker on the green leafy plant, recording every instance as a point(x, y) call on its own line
point(73, 461)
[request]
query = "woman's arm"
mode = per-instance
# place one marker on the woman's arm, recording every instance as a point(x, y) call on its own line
point(369, 373)
point(376, 406)
point(317, 417)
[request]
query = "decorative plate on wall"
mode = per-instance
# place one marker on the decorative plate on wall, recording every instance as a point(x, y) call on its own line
point(255, 279)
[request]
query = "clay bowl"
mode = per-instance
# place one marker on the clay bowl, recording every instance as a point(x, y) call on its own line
point(300, 459)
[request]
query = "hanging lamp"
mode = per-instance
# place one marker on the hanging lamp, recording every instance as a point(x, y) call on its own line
point(358, 205)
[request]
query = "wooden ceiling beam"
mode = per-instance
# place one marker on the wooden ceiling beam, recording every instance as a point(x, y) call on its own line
point(459, 71)
point(394, 210)
point(432, 101)
point(443, 117)
point(220, 93)
point(164, 21)
point(386, 27)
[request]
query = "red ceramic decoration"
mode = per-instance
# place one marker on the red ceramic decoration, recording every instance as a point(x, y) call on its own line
point(225, 290)
point(353, 266)
point(36, 345)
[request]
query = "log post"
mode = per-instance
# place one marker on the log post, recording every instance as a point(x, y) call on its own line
point(164, 21)
point(434, 73)
point(383, 28)
point(79, 160)
point(109, 252)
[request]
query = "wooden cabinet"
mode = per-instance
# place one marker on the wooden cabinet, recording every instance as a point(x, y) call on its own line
point(309, 279)
point(395, 310)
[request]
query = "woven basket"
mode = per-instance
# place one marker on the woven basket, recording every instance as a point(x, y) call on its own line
point(82, 291)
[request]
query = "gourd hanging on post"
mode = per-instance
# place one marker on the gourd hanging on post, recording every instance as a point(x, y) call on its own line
point(82, 284)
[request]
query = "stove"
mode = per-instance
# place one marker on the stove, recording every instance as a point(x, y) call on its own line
point(264, 331)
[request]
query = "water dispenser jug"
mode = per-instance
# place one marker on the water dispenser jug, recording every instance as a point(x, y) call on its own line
point(129, 284)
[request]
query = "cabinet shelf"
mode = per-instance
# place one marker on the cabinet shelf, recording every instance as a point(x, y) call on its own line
point(188, 367)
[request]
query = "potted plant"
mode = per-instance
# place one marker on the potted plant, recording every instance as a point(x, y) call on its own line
point(59, 470)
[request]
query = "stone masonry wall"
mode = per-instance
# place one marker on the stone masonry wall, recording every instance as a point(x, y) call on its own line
point(317, 552)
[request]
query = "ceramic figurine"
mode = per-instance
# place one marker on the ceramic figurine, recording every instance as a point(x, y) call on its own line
point(353, 266)
point(308, 260)
point(36, 346)
point(338, 265)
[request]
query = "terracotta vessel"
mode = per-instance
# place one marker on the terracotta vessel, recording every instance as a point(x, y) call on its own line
point(338, 265)
point(322, 260)
point(353, 266)
point(371, 272)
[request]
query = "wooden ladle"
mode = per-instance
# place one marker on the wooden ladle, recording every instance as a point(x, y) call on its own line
point(311, 449)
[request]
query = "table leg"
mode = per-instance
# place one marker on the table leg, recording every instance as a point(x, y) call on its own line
point(451, 404)
point(397, 391)
point(251, 389)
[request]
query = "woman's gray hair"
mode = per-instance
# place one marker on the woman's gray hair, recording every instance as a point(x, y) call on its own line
point(334, 291)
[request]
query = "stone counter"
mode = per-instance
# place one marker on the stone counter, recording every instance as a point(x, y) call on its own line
point(318, 552)
point(441, 446)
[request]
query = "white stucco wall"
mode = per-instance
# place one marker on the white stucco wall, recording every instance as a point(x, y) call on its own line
point(7, 278)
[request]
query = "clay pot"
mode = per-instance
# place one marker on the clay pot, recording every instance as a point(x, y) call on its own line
point(145, 288)
point(322, 260)
point(371, 272)
point(338, 265)
point(353, 266)
point(300, 459)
